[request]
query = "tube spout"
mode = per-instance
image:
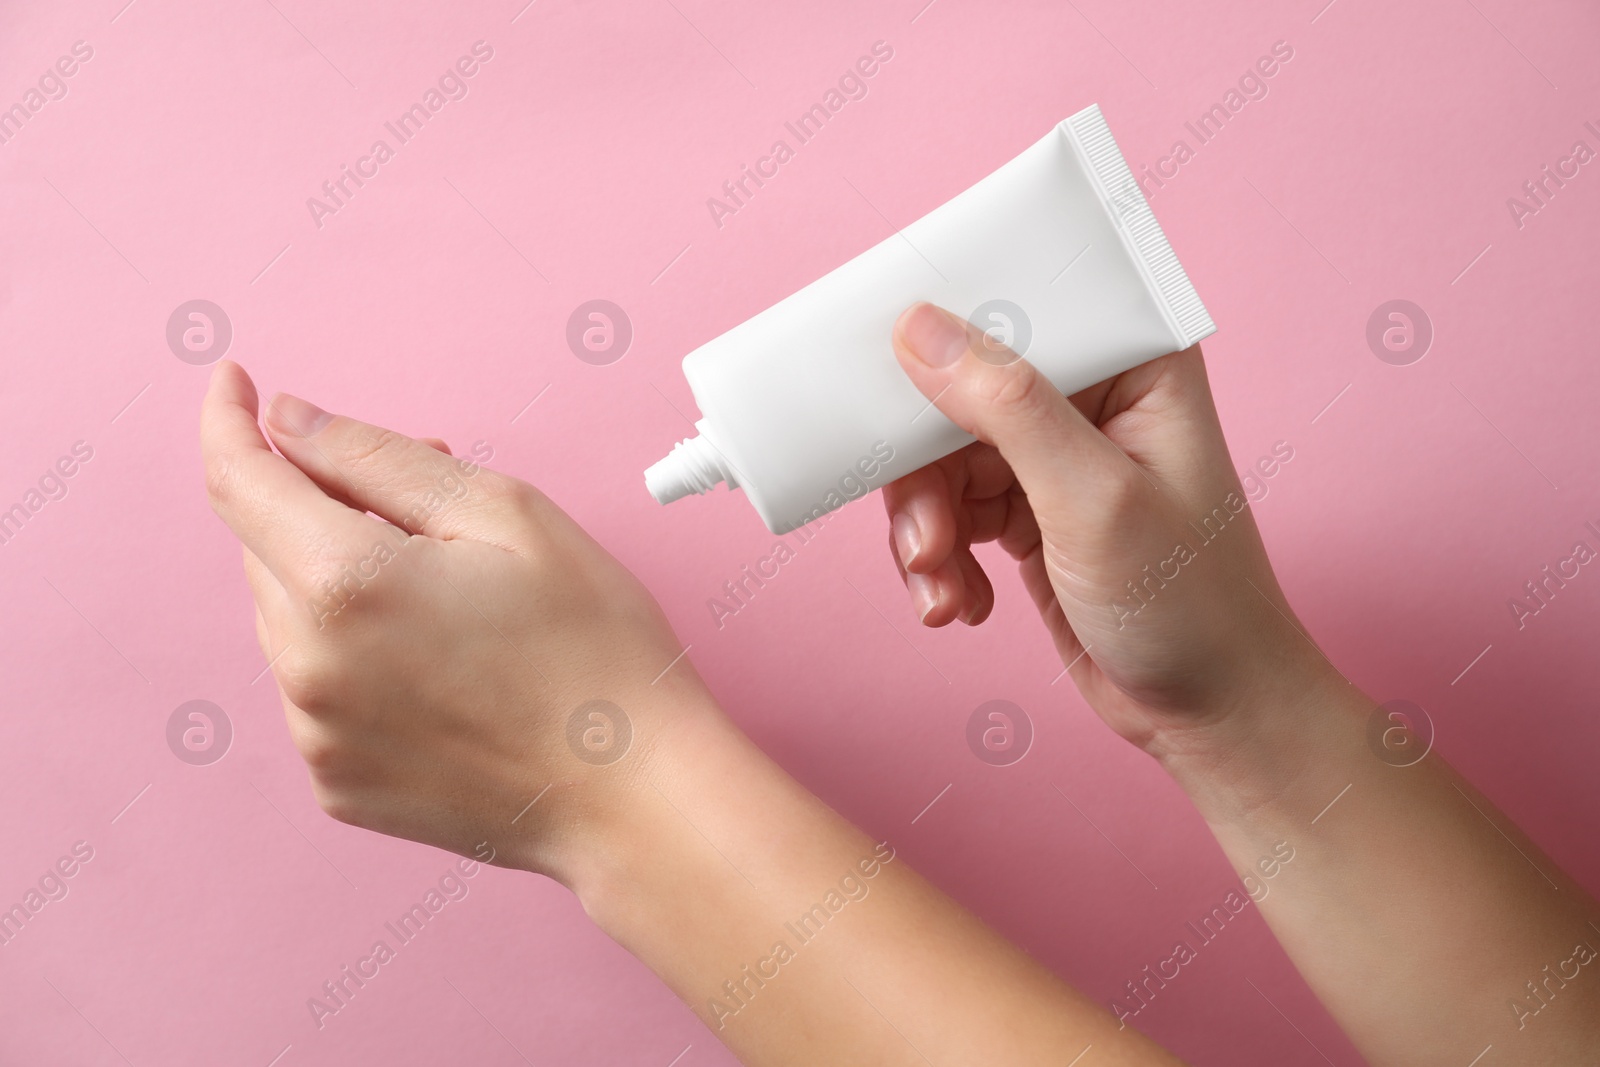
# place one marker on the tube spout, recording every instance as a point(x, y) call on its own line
point(693, 466)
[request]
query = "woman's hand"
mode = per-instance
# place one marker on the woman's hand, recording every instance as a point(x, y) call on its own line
point(1128, 523)
point(438, 657)
point(1130, 527)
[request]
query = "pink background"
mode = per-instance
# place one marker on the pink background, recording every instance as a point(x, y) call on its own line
point(178, 166)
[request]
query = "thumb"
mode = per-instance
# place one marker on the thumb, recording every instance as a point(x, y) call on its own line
point(994, 394)
point(413, 484)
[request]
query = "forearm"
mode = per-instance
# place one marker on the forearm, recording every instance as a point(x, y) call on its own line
point(1416, 910)
point(799, 940)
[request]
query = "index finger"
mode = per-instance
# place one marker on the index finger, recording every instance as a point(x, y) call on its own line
point(270, 505)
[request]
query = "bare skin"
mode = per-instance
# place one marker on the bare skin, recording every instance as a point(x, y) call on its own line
point(431, 657)
point(1416, 910)
point(443, 636)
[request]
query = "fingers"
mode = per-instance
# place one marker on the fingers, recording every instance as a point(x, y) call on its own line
point(936, 596)
point(987, 390)
point(436, 444)
point(414, 484)
point(931, 533)
point(270, 596)
point(977, 594)
point(924, 506)
point(957, 588)
point(921, 518)
point(279, 513)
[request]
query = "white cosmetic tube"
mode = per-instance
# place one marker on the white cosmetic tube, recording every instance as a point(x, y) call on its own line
point(1056, 255)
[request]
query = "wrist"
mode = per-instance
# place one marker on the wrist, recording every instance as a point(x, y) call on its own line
point(600, 790)
point(1288, 731)
point(717, 853)
point(608, 844)
point(710, 819)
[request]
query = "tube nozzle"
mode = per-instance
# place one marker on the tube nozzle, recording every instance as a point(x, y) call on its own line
point(693, 466)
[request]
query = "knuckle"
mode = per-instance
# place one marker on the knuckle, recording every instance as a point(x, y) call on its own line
point(1125, 493)
point(340, 592)
point(320, 752)
point(337, 804)
point(349, 575)
point(309, 682)
point(224, 472)
point(1015, 387)
point(528, 499)
point(522, 500)
point(364, 447)
point(516, 491)
point(1019, 386)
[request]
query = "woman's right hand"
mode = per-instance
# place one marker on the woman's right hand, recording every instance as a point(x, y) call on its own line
point(1130, 527)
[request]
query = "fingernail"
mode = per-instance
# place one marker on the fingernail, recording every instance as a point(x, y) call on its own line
point(933, 336)
point(907, 538)
point(924, 594)
point(295, 417)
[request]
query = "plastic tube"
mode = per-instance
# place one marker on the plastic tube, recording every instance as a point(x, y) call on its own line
point(1055, 255)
